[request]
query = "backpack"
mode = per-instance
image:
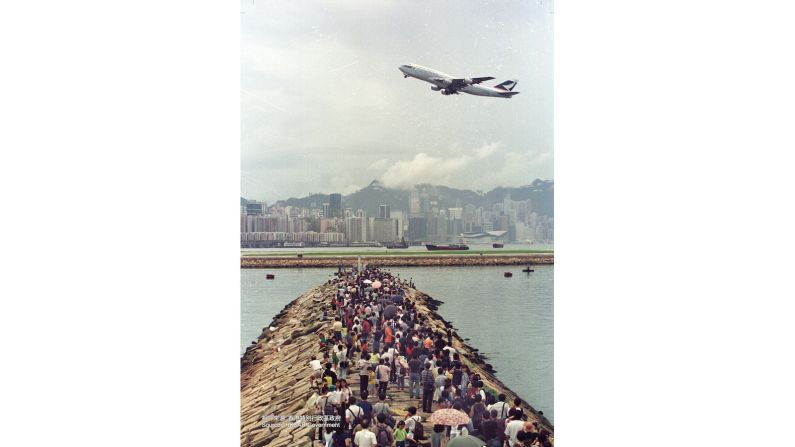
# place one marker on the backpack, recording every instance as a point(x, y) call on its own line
point(419, 430)
point(383, 436)
point(328, 408)
point(355, 421)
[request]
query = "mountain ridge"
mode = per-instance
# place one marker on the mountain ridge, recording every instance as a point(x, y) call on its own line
point(540, 192)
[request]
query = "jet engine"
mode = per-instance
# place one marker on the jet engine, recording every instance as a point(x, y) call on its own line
point(435, 88)
point(448, 92)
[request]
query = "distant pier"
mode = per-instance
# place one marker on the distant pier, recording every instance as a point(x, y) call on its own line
point(472, 258)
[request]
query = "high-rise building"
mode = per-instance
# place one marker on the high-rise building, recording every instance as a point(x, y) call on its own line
point(326, 210)
point(418, 229)
point(414, 203)
point(384, 230)
point(383, 212)
point(335, 205)
point(356, 229)
point(254, 209)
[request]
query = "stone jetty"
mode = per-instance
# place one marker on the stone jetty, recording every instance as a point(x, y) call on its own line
point(275, 371)
point(396, 260)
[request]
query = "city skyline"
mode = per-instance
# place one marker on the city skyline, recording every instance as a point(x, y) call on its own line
point(424, 217)
point(324, 108)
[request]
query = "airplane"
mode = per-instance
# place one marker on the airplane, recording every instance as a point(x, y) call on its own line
point(449, 85)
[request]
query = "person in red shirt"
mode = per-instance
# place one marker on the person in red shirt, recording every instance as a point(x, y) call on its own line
point(388, 334)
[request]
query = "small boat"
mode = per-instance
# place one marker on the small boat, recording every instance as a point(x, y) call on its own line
point(528, 270)
point(270, 276)
point(508, 274)
point(394, 245)
point(497, 245)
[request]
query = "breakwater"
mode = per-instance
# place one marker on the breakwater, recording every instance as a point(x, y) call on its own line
point(275, 369)
point(395, 260)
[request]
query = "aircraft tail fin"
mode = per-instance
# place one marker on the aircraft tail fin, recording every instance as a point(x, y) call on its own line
point(507, 85)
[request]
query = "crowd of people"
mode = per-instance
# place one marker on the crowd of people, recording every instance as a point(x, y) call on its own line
point(376, 331)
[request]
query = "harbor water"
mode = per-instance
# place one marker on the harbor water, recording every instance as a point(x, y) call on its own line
point(510, 320)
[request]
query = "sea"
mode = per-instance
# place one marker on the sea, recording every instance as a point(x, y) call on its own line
point(473, 248)
point(510, 320)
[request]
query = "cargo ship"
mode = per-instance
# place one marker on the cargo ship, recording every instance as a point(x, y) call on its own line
point(432, 247)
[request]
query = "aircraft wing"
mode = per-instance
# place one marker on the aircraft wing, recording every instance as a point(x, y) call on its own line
point(459, 83)
point(479, 80)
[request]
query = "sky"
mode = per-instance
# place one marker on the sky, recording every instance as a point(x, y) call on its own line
point(324, 108)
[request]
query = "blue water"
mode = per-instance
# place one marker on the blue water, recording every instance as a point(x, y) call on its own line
point(510, 320)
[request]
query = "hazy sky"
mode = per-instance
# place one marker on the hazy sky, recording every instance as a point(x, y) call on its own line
point(324, 108)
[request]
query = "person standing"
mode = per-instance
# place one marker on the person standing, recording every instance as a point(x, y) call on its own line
point(414, 376)
point(501, 406)
point(426, 377)
point(366, 406)
point(400, 434)
point(382, 370)
point(513, 427)
point(364, 372)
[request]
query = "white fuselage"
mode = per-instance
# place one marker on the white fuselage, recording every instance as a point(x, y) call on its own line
point(443, 80)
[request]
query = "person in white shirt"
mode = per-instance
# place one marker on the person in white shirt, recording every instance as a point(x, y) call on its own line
point(512, 428)
point(451, 350)
point(501, 406)
point(352, 412)
point(412, 419)
point(365, 438)
point(317, 368)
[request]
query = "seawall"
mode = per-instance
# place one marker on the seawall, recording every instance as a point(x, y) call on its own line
point(275, 370)
point(395, 260)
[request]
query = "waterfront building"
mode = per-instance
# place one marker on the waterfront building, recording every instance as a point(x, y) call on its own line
point(384, 230)
point(356, 229)
point(418, 229)
point(401, 222)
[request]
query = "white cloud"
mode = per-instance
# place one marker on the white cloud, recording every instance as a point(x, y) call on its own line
point(483, 168)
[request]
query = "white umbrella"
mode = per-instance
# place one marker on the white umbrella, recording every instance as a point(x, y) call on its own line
point(376, 284)
point(367, 281)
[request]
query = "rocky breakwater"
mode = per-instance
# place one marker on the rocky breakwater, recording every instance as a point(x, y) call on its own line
point(275, 370)
point(395, 260)
point(470, 356)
